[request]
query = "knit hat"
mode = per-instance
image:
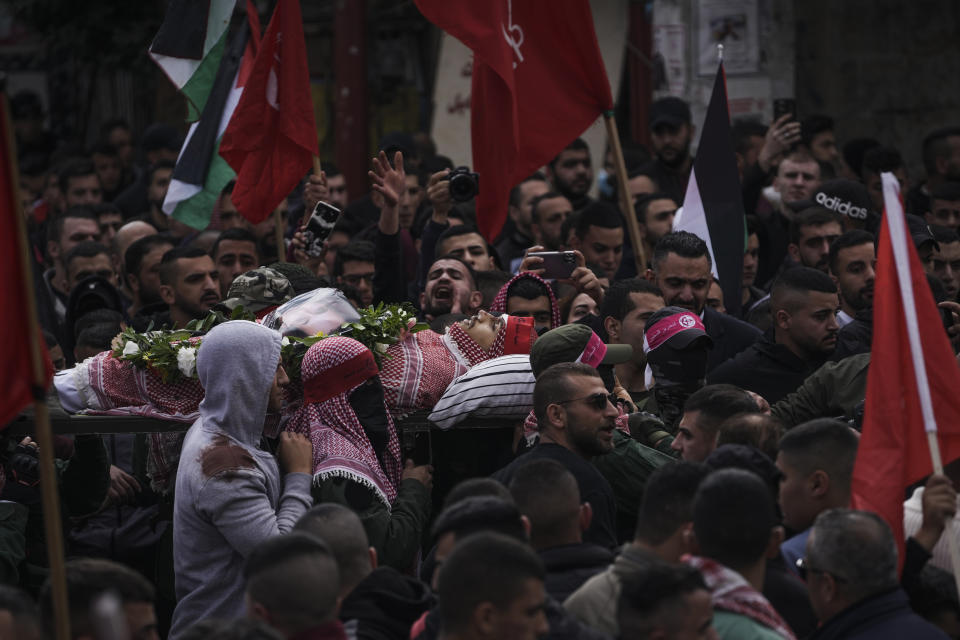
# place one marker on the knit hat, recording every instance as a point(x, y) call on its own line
point(575, 343)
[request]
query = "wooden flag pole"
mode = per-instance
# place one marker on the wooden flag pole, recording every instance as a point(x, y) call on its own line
point(948, 529)
point(317, 169)
point(49, 494)
point(626, 203)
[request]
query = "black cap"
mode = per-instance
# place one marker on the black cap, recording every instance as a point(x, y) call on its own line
point(920, 232)
point(846, 197)
point(670, 110)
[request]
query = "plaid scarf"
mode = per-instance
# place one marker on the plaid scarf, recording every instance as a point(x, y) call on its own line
point(732, 593)
point(341, 448)
point(499, 304)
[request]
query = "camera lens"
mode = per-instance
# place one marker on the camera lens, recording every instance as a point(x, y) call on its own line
point(463, 184)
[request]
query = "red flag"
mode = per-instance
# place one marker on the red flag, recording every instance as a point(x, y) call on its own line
point(904, 401)
point(272, 136)
point(538, 83)
point(16, 374)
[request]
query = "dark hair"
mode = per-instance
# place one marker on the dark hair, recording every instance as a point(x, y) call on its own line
point(753, 225)
point(949, 191)
point(354, 251)
point(682, 243)
point(528, 289)
point(480, 513)
point(158, 165)
point(113, 123)
point(733, 514)
point(553, 386)
point(474, 487)
point(489, 284)
point(462, 230)
point(935, 146)
point(535, 203)
point(97, 336)
point(652, 593)
point(944, 235)
point(548, 495)
point(812, 217)
point(483, 568)
point(104, 149)
point(85, 249)
point(617, 302)
point(598, 214)
point(133, 257)
point(237, 234)
point(450, 256)
point(823, 444)
point(879, 159)
point(668, 501)
point(798, 280)
point(854, 150)
point(56, 222)
point(331, 169)
point(239, 629)
point(852, 238)
point(757, 430)
point(745, 129)
point(76, 168)
point(87, 580)
point(294, 577)
point(716, 403)
point(168, 264)
point(516, 192)
point(341, 529)
point(813, 125)
point(577, 145)
point(643, 203)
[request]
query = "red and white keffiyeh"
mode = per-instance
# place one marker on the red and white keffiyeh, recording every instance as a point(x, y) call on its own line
point(499, 304)
point(341, 448)
point(731, 592)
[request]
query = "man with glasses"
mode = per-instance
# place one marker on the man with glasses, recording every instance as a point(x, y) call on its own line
point(851, 572)
point(575, 417)
point(354, 269)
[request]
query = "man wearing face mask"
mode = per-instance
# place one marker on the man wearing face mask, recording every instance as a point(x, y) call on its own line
point(356, 453)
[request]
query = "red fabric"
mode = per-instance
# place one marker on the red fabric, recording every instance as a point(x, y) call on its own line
point(342, 377)
point(671, 326)
point(893, 451)
point(519, 335)
point(16, 373)
point(499, 304)
point(272, 137)
point(538, 83)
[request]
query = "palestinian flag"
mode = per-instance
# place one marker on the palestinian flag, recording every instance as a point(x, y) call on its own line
point(713, 205)
point(189, 47)
point(201, 174)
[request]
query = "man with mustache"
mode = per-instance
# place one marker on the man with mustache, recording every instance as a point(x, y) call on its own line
point(853, 261)
point(189, 284)
point(450, 288)
point(681, 270)
point(671, 132)
point(812, 231)
point(572, 174)
point(803, 305)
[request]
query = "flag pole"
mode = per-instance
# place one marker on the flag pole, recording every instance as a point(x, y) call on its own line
point(626, 204)
point(948, 529)
point(317, 169)
point(49, 494)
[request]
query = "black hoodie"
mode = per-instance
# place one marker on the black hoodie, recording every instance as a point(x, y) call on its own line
point(384, 605)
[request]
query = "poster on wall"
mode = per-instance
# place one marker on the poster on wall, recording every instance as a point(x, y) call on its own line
point(669, 51)
point(732, 23)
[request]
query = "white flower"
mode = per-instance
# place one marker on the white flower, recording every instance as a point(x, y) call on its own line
point(381, 347)
point(285, 342)
point(187, 361)
point(130, 348)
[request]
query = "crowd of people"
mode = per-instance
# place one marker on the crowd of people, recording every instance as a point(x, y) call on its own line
point(675, 470)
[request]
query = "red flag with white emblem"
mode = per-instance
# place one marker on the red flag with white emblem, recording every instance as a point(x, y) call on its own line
point(272, 137)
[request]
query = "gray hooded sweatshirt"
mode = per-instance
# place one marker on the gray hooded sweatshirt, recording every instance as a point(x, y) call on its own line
point(229, 495)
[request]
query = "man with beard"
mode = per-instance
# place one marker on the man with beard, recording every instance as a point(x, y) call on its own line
point(450, 288)
point(599, 237)
point(512, 246)
point(798, 177)
point(681, 270)
point(671, 132)
point(941, 161)
point(853, 261)
point(655, 213)
point(812, 231)
point(572, 174)
point(946, 261)
point(548, 212)
point(750, 294)
point(142, 273)
point(803, 304)
point(189, 284)
point(575, 417)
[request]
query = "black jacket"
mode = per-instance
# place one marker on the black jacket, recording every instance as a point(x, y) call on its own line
point(570, 565)
point(855, 337)
point(563, 626)
point(730, 336)
point(671, 182)
point(882, 617)
point(767, 368)
point(384, 605)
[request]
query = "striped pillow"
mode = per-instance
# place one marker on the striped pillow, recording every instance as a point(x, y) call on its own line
point(497, 388)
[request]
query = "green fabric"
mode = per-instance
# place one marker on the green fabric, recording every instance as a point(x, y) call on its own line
point(627, 468)
point(648, 429)
point(394, 533)
point(733, 626)
point(196, 211)
point(835, 389)
point(197, 88)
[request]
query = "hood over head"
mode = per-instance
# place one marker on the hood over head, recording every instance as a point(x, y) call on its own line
point(236, 364)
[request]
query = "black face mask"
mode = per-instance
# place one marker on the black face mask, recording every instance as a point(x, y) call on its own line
point(606, 374)
point(367, 402)
point(679, 367)
point(670, 401)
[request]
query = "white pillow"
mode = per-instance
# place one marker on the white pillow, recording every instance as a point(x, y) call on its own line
point(497, 388)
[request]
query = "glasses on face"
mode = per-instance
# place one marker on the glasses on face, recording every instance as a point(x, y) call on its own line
point(597, 400)
point(803, 568)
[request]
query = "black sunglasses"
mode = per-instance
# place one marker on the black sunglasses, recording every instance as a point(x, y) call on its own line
point(598, 400)
point(803, 568)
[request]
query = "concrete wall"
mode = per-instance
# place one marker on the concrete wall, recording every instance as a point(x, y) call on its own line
point(882, 68)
